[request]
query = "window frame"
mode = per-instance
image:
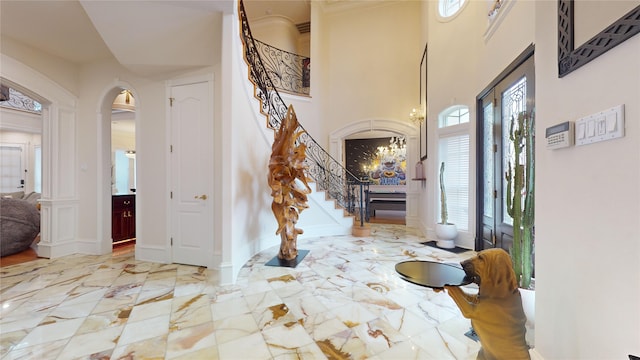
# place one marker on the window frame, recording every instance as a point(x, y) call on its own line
point(452, 16)
point(462, 129)
point(491, 91)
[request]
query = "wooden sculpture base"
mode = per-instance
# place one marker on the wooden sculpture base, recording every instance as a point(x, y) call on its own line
point(361, 231)
point(276, 261)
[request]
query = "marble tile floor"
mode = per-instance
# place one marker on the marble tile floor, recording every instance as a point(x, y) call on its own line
point(344, 301)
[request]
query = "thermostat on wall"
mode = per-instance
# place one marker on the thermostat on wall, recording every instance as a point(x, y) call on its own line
point(560, 136)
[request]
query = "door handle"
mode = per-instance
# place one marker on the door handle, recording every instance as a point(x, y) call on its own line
point(201, 197)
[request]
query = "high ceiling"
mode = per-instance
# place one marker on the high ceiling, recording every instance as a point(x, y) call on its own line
point(147, 37)
point(60, 28)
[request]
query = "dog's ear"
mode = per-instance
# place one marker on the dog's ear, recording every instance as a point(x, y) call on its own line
point(502, 278)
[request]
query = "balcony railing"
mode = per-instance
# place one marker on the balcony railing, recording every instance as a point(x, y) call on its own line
point(288, 72)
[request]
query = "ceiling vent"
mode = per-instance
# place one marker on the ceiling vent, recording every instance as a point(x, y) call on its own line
point(304, 27)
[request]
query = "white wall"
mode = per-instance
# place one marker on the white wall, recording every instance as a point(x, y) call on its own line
point(587, 198)
point(244, 223)
point(97, 80)
point(461, 63)
point(58, 70)
point(587, 205)
point(587, 280)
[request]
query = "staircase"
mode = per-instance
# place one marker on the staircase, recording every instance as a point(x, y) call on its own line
point(332, 181)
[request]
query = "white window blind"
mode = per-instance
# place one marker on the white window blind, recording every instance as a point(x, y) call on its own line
point(454, 152)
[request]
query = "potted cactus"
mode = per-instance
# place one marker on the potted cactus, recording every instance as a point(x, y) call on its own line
point(520, 196)
point(446, 232)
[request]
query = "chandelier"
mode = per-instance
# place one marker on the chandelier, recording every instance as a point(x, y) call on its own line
point(397, 150)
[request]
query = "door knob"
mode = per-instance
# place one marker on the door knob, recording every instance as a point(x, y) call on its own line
point(201, 197)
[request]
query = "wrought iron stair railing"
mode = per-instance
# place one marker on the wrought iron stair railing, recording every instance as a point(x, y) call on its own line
point(288, 72)
point(330, 176)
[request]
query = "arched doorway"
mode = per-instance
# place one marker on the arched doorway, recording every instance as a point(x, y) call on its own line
point(385, 127)
point(59, 205)
point(117, 205)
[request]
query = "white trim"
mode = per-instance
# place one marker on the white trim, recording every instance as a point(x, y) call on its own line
point(494, 23)
point(103, 163)
point(59, 207)
point(197, 79)
point(34, 84)
point(226, 273)
point(411, 133)
point(22, 121)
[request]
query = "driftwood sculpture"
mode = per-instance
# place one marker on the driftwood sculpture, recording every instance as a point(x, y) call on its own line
point(288, 182)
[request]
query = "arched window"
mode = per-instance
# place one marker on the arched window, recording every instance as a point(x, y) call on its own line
point(453, 150)
point(449, 8)
point(455, 115)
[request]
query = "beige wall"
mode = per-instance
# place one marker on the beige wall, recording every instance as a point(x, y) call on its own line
point(371, 63)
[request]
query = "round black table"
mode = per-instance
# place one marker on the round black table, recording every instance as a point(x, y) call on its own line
point(432, 274)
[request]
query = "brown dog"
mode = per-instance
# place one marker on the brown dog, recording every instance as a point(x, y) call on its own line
point(496, 311)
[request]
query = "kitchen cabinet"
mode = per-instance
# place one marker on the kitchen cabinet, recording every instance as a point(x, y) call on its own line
point(123, 217)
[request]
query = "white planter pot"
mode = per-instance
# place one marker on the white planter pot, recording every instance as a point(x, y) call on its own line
point(529, 307)
point(446, 234)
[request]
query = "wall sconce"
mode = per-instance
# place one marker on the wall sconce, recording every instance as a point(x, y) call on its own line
point(417, 115)
point(124, 101)
point(131, 154)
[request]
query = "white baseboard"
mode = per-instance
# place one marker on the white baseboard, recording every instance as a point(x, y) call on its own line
point(92, 247)
point(52, 251)
point(227, 276)
point(157, 254)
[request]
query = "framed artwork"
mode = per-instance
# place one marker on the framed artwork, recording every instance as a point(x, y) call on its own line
point(571, 58)
point(381, 161)
point(423, 103)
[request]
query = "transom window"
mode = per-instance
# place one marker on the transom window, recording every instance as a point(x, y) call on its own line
point(454, 116)
point(448, 8)
point(14, 99)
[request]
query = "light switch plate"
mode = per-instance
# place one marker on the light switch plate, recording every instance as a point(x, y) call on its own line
point(604, 125)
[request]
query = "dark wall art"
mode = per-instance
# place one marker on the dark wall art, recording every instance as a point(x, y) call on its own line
point(379, 160)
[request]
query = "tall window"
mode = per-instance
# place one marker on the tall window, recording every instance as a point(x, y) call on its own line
point(453, 150)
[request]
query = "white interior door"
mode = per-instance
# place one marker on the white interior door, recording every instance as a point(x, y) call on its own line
point(11, 168)
point(192, 173)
